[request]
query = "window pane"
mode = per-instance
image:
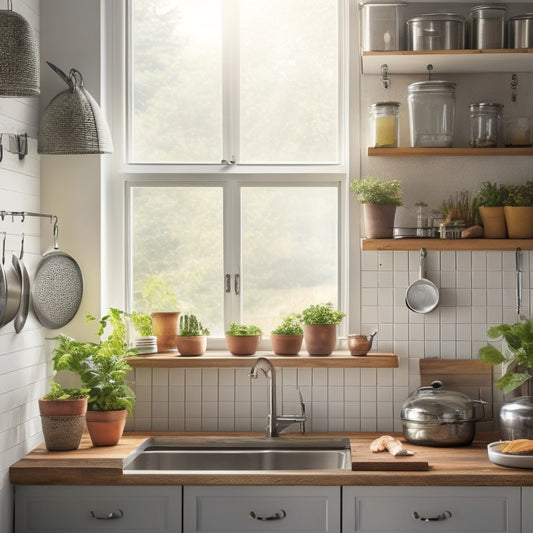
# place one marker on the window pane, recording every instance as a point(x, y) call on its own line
point(289, 81)
point(176, 112)
point(289, 251)
point(177, 244)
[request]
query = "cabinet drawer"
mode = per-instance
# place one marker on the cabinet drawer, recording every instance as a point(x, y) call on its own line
point(119, 509)
point(446, 509)
point(233, 508)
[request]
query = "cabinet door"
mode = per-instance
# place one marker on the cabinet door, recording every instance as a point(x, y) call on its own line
point(62, 509)
point(261, 508)
point(431, 509)
point(527, 509)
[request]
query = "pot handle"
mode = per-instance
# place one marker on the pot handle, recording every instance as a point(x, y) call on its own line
point(480, 403)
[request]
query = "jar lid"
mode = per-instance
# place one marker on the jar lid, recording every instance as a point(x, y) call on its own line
point(454, 17)
point(524, 16)
point(379, 104)
point(481, 105)
point(433, 404)
point(489, 7)
point(431, 85)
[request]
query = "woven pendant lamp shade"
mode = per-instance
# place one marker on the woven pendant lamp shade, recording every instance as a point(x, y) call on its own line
point(72, 123)
point(19, 56)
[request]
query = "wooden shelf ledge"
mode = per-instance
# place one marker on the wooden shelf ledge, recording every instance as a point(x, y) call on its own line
point(448, 152)
point(447, 244)
point(223, 359)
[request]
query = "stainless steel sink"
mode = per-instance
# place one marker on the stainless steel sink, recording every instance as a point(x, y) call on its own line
point(160, 455)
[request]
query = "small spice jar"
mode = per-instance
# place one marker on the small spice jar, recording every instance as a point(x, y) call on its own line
point(485, 119)
point(384, 124)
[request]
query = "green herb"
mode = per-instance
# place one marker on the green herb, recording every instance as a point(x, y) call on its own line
point(242, 330)
point(460, 206)
point(142, 322)
point(58, 392)
point(322, 314)
point(520, 195)
point(291, 325)
point(517, 354)
point(189, 326)
point(490, 195)
point(371, 190)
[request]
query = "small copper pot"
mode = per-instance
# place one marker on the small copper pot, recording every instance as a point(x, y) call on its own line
point(360, 344)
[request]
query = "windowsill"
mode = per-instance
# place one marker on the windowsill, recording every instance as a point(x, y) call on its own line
point(223, 359)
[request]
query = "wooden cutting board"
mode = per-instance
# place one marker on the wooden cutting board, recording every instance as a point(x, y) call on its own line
point(364, 459)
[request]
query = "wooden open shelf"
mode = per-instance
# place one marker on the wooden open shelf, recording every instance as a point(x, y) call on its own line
point(447, 244)
point(447, 152)
point(223, 359)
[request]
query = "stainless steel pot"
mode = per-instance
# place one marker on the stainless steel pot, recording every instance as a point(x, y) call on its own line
point(10, 289)
point(516, 419)
point(436, 417)
point(436, 31)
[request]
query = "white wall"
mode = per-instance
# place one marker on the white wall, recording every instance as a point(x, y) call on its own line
point(24, 372)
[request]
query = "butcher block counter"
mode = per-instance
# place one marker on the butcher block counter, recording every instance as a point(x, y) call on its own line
point(429, 466)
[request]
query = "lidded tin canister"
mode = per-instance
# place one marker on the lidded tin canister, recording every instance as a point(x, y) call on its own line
point(488, 26)
point(431, 113)
point(521, 31)
point(384, 124)
point(485, 124)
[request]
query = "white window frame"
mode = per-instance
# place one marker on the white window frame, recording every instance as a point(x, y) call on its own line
point(120, 176)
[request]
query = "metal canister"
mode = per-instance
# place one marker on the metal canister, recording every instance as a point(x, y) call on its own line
point(485, 124)
point(488, 26)
point(521, 31)
point(436, 31)
point(383, 26)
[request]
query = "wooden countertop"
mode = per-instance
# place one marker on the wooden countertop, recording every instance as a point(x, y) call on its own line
point(457, 466)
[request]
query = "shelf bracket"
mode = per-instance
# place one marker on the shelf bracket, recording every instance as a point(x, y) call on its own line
point(385, 80)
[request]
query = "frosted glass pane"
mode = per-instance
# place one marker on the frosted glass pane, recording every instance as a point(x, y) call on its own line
point(289, 81)
point(289, 251)
point(177, 245)
point(176, 112)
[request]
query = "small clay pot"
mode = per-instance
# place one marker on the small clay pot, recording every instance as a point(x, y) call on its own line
point(191, 345)
point(359, 344)
point(243, 344)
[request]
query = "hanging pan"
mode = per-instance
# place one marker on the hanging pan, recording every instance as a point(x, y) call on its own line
point(10, 289)
point(422, 295)
point(57, 288)
point(22, 272)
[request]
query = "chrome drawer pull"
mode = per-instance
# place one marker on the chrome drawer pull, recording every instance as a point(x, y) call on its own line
point(277, 516)
point(444, 516)
point(114, 515)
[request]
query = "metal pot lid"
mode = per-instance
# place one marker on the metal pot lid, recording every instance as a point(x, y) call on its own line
point(524, 16)
point(433, 404)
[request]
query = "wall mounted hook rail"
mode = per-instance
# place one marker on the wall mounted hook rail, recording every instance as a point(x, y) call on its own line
point(24, 214)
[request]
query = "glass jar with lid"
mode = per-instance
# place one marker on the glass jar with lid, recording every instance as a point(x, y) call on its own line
point(485, 124)
point(431, 113)
point(384, 124)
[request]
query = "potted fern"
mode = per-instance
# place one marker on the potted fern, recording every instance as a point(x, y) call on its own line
point(103, 368)
point(379, 197)
point(320, 328)
point(192, 336)
point(243, 339)
point(287, 338)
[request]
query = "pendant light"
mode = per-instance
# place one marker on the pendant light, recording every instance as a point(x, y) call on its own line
point(19, 55)
point(72, 123)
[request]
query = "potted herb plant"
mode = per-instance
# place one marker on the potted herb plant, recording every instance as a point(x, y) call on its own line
point(516, 356)
point(145, 341)
point(320, 328)
point(518, 209)
point(379, 197)
point(192, 336)
point(243, 339)
point(103, 368)
point(489, 201)
point(287, 338)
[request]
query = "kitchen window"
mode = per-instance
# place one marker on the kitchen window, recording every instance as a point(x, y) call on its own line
point(234, 156)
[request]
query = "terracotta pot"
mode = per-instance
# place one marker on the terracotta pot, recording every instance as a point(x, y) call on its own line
point(165, 328)
point(72, 407)
point(379, 220)
point(519, 222)
point(493, 221)
point(359, 344)
point(106, 427)
point(320, 339)
point(191, 345)
point(286, 344)
point(243, 344)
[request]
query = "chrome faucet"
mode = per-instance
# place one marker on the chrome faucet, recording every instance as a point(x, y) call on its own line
point(276, 424)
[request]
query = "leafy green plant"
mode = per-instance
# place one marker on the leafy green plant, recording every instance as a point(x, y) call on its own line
point(142, 322)
point(516, 356)
point(520, 195)
point(58, 392)
point(189, 326)
point(158, 295)
point(371, 190)
point(460, 206)
point(322, 314)
point(490, 195)
point(291, 325)
point(102, 366)
point(241, 330)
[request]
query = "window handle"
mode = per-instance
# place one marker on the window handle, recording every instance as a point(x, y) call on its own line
point(228, 282)
point(226, 162)
point(237, 284)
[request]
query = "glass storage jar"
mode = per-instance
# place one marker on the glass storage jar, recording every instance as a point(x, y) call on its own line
point(485, 124)
point(431, 113)
point(384, 124)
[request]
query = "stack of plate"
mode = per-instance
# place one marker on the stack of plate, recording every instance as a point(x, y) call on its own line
point(145, 344)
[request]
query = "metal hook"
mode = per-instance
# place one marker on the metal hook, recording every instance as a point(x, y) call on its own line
point(514, 87)
point(385, 76)
point(1, 148)
point(22, 248)
point(430, 71)
point(4, 248)
point(56, 234)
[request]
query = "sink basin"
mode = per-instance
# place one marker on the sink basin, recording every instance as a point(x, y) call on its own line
point(160, 455)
